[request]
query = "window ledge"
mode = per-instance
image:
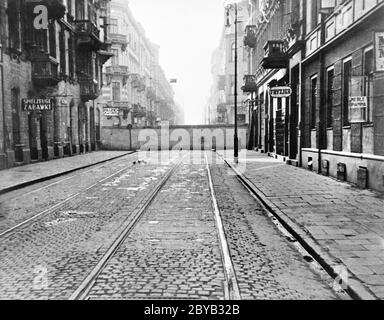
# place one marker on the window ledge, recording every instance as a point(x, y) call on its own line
point(346, 127)
point(368, 125)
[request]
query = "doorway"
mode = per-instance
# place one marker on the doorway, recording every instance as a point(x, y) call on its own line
point(294, 114)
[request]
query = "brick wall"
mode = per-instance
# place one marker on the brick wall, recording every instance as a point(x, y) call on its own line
point(185, 137)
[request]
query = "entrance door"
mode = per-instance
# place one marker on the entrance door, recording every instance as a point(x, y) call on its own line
point(32, 136)
point(98, 128)
point(43, 137)
point(15, 98)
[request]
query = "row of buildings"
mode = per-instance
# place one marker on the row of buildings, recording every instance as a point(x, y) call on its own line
point(220, 108)
point(136, 91)
point(315, 84)
point(63, 80)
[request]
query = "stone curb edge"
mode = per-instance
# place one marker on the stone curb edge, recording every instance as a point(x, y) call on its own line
point(56, 175)
point(355, 287)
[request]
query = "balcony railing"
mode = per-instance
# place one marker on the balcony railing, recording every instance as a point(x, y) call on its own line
point(89, 89)
point(117, 70)
point(119, 104)
point(250, 36)
point(118, 39)
point(45, 71)
point(275, 56)
point(249, 83)
point(138, 111)
point(88, 34)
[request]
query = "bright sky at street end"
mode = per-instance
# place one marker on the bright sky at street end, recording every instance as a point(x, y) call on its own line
point(187, 32)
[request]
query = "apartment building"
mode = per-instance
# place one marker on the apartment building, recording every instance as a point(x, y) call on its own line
point(317, 85)
point(136, 92)
point(222, 98)
point(51, 77)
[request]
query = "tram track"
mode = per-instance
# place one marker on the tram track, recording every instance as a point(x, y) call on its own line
point(43, 213)
point(230, 285)
point(81, 293)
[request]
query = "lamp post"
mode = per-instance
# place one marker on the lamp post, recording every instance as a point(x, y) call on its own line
point(236, 139)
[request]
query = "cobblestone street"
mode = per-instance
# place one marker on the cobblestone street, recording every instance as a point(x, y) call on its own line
point(64, 243)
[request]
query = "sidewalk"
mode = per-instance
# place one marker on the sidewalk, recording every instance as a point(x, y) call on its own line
point(18, 177)
point(343, 225)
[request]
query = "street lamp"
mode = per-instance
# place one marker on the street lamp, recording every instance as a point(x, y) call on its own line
point(229, 7)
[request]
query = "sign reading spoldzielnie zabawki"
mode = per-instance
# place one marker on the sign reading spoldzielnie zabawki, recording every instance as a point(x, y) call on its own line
point(38, 104)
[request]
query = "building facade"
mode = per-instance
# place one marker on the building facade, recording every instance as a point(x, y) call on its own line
point(221, 105)
point(51, 77)
point(136, 92)
point(324, 53)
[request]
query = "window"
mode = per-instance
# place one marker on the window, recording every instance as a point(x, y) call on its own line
point(115, 58)
point(368, 85)
point(116, 91)
point(114, 28)
point(80, 12)
point(52, 39)
point(347, 75)
point(329, 101)
point(313, 102)
point(14, 24)
point(233, 52)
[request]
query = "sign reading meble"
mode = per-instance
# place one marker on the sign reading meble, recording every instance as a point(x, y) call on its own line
point(37, 104)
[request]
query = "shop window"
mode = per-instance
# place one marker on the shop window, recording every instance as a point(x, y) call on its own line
point(313, 102)
point(329, 110)
point(347, 76)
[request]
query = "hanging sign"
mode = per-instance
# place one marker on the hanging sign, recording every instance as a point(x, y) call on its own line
point(38, 104)
point(379, 51)
point(280, 92)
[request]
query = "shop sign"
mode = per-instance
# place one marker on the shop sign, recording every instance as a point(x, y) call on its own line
point(358, 107)
point(38, 104)
point(111, 112)
point(280, 92)
point(379, 50)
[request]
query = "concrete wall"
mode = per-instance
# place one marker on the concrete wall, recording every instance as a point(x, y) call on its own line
point(174, 137)
point(374, 164)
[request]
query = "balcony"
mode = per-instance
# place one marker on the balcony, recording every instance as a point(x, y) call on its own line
point(122, 105)
point(249, 84)
point(117, 70)
point(119, 39)
point(138, 82)
point(88, 35)
point(275, 56)
point(250, 36)
point(45, 71)
point(222, 108)
point(138, 111)
point(89, 89)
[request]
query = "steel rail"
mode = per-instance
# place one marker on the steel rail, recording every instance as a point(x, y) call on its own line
point(86, 286)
